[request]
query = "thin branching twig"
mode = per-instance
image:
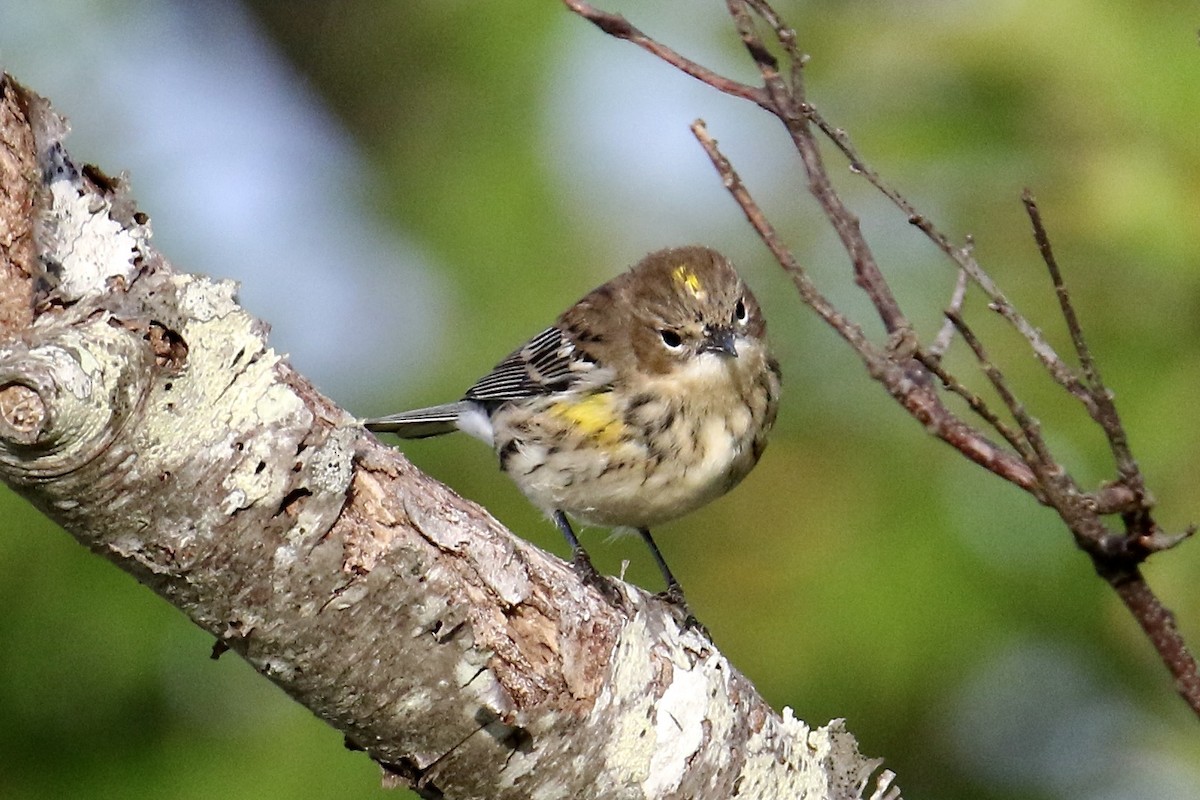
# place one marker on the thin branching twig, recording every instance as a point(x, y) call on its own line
point(974, 401)
point(910, 372)
point(617, 26)
point(945, 335)
point(1031, 444)
point(1103, 409)
point(914, 393)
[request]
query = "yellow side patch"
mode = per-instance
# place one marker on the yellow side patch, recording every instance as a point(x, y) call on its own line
point(593, 416)
point(688, 279)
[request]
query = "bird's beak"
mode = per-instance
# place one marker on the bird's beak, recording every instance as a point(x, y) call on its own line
point(720, 340)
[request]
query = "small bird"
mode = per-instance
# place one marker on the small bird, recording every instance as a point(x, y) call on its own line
point(648, 398)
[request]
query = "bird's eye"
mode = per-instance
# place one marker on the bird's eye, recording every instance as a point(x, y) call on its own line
point(671, 339)
point(739, 311)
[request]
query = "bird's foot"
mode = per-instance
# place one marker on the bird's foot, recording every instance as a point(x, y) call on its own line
point(590, 576)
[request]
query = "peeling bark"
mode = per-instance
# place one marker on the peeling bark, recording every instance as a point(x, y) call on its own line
point(142, 409)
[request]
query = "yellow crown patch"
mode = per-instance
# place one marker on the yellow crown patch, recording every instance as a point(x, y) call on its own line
point(688, 279)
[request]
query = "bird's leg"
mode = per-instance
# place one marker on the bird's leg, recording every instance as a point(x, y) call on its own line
point(674, 593)
point(582, 564)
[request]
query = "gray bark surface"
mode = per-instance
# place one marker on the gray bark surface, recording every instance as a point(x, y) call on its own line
point(142, 409)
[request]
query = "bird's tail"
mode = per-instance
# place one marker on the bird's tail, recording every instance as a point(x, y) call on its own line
point(420, 423)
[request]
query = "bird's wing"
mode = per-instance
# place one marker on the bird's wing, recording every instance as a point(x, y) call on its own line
point(549, 362)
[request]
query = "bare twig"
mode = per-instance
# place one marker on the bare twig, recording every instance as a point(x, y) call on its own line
point(941, 342)
point(975, 402)
point(964, 258)
point(913, 392)
point(808, 290)
point(904, 367)
point(1033, 447)
point(617, 26)
point(1103, 409)
point(1158, 623)
point(789, 106)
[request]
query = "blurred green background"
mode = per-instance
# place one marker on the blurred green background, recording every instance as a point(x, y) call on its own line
point(407, 190)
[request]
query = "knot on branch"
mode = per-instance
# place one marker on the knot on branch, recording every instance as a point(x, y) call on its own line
point(64, 397)
point(22, 413)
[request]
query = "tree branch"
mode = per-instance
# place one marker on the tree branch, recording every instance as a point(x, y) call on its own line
point(142, 409)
